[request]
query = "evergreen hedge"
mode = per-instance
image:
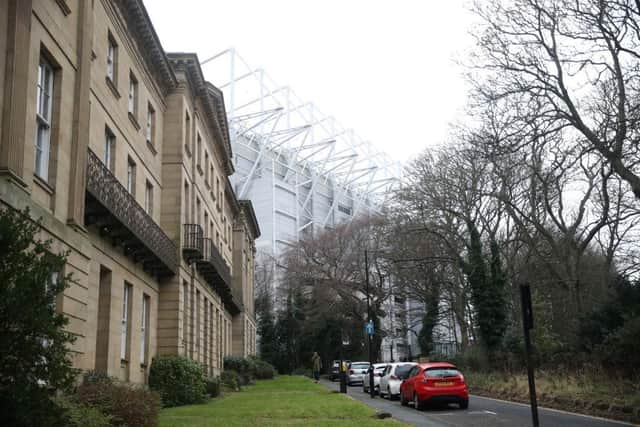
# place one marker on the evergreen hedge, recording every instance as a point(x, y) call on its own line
point(178, 379)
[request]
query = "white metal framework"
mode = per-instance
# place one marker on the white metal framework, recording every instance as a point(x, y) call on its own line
point(302, 169)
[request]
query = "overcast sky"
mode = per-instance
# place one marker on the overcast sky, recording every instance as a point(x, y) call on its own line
point(383, 68)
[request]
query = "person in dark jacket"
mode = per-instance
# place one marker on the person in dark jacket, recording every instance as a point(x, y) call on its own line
point(317, 365)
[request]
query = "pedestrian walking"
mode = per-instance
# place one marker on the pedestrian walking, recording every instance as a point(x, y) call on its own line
point(317, 365)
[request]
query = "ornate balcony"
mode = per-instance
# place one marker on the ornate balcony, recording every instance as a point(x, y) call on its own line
point(120, 218)
point(213, 267)
point(217, 273)
point(233, 301)
point(192, 249)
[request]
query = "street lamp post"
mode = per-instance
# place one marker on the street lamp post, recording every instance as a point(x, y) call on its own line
point(370, 336)
point(343, 373)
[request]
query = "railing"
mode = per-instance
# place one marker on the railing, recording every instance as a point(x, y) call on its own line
point(213, 266)
point(218, 274)
point(112, 195)
point(192, 242)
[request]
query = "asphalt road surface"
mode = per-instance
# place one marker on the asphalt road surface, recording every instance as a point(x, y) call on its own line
point(482, 412)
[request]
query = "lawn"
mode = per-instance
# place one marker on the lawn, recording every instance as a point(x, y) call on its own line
point(283, 401)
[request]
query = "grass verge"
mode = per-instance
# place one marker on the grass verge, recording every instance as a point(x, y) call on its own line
point(283, 401)
point(584, 393)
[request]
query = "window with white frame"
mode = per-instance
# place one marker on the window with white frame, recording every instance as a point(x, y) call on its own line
point(148, 198)
point(124, 333)
point(112, 59)
point(133, 95)
point(187, 133)
point(198, 152)
point(131, 176)
point(51, 283)
point(109, 149)
point(206, 163)
point(44, 98)
point(151, 124)
point(144, 330)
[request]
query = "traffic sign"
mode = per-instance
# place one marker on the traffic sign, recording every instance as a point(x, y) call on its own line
point(369, 327)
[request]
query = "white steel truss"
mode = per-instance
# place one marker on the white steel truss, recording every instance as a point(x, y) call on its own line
point(316, 171)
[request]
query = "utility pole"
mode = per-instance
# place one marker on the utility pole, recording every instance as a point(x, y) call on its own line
point(369, 335)
point(343, 374)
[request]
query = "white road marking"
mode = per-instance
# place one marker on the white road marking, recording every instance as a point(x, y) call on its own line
point(556, 410)
point(483, 412)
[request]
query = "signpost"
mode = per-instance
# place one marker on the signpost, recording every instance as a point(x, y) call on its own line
point(527, 325)
point(369, 327)
point(344, 340)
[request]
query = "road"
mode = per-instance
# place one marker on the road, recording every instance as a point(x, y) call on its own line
point(482, 412)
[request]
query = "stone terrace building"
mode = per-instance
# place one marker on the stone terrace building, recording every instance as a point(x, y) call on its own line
point(123, 151)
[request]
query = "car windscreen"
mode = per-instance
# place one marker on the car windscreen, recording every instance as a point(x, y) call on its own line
point(360, 366)
point(403, 370)
point(441, 372)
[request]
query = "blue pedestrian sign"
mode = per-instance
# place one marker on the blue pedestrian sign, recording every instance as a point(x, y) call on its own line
point(369, 327)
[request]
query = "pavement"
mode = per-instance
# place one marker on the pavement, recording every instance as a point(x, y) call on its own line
point(482, 412)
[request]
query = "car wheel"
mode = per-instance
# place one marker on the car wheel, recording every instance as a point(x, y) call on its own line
point(389, 395)
point(464, 404)
point(416, 402)
point(364, 388)
point(403, 401)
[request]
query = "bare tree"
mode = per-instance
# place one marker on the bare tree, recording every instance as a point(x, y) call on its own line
point(563, 64)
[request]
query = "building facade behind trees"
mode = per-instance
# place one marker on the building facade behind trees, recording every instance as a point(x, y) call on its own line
point(123, 152)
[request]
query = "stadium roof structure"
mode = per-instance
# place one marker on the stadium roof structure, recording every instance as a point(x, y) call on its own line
point(274, 122)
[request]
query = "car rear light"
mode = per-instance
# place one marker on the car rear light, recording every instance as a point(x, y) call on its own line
point(350, 371)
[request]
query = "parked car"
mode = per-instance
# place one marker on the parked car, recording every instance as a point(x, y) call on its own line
point(356, 372)
point(334, 374)
point(434, 383)
point(391, 378)
point(378, 369)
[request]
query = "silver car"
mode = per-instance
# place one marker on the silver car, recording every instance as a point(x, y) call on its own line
point(378, 369)
point(392, 377)
point(356, 372)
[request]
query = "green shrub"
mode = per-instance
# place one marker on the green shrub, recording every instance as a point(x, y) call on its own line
point(231, 380)
point(125, 404)
point(29, 369)
point(264, 370)
point(245, 367)
point(475, 358)
point(213, 386)
point(95, 377)
point(235, 363)
point(178, 379)
point(82, 415)
point(622, 348)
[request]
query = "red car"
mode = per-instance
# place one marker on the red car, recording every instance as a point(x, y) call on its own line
point(434, 383)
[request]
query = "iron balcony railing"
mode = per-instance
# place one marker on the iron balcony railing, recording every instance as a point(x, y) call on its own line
point(192, 246)
point(122, 218)
point(213, 267)
point(217, 273)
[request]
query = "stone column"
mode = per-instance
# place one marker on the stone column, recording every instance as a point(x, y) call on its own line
point(81, 116)
point(16, 84)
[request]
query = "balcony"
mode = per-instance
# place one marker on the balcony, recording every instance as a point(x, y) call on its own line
point(192, 249)
point(213, 267)
point(217, 273)
point(119, 217)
